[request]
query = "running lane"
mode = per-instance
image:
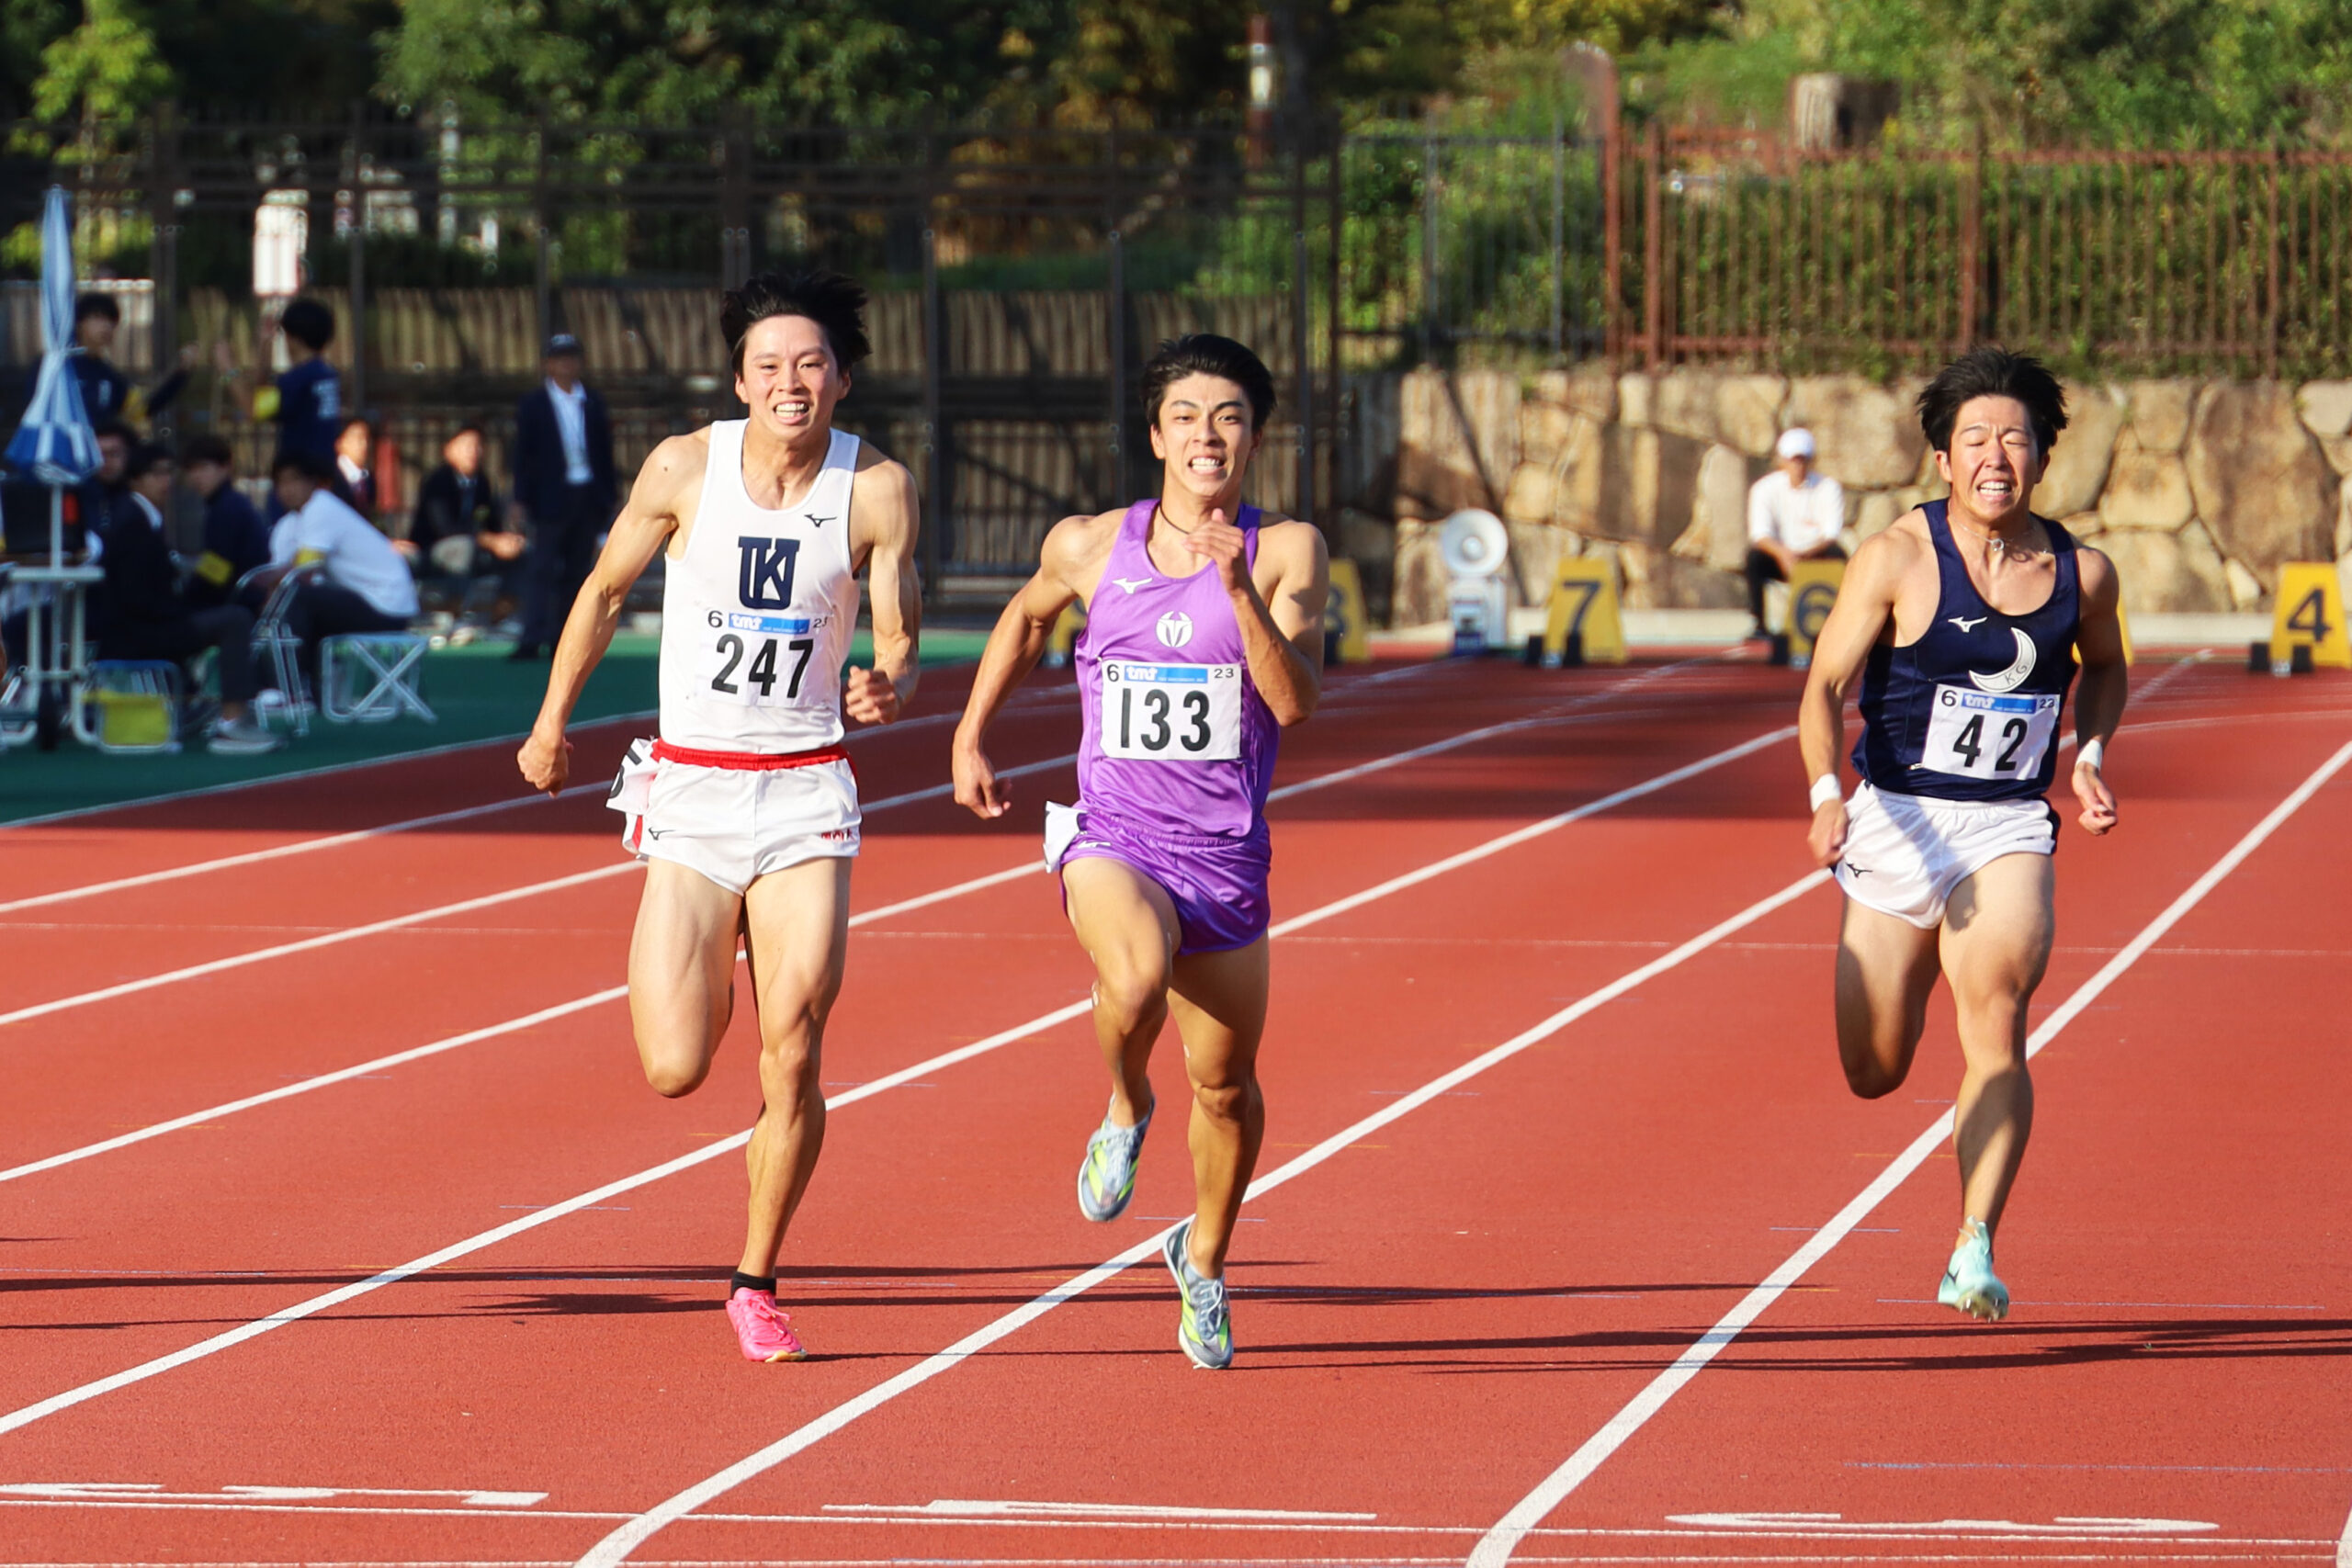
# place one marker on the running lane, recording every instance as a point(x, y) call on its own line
point(935, 1207)
point(1491, 1279)
point(2174, 1381)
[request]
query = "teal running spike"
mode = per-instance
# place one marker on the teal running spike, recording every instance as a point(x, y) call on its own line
point(1969, 1282)
point(1203, 1327)
point(1106, 1181)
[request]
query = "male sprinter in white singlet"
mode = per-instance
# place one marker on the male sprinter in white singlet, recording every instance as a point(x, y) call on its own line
point(1203, 640)
point(746, 808)
point(1962, 622)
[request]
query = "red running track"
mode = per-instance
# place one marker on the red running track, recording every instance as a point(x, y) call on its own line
point(1433, 1313)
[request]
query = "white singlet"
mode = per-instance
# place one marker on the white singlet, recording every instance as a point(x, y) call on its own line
point(758, 611)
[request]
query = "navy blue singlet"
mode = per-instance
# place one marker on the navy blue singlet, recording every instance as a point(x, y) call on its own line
point(1971, 710)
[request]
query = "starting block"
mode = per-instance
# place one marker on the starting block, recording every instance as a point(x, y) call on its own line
point(1344, 621)
point(1063, 638)
point(1582, 623)
point(2307, 628)
point(1813, 588)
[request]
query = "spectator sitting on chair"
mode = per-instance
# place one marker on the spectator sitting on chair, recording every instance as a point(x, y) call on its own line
point(364, 585)
point(355, 450)
point(235, 538)
point(106, 392)
point(1793, 515)
point(563, 485)
point(456, 531)
point(146, 618)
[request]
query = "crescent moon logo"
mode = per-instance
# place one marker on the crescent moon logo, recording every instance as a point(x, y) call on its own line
point(2009, 679)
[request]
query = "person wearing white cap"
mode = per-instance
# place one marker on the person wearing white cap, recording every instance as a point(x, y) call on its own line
point(1793, 515)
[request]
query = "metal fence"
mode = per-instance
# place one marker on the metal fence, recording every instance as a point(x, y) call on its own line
point(2231, 263)
point(1020, 275)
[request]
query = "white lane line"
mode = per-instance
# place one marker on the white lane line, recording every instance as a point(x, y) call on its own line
point(455, 1042)
point(993, 879)
point(1496, 1548)
point(617, 1547)
point(2343, 1545)
point(420, 917)
point(310, 944)
point(461, 814)
point(276, 851)
point(229, 1338)
point(318, 773)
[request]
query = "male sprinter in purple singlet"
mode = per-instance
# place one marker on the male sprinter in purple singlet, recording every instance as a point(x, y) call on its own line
point(1962, 622)
point(1204, 639)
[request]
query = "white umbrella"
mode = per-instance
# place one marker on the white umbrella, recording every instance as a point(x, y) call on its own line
point(55, 444)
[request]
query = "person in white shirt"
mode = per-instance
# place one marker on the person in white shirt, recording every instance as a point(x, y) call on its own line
point(364, 586)
point(1793, 515)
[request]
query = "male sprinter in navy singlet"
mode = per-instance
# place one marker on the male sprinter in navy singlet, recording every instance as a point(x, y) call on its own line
point(1962, 622)
point(746, 808)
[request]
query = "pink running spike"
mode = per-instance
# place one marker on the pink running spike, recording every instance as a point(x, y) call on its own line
point(764, 1333)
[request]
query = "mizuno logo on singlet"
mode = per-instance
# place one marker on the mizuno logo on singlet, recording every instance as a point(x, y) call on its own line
point(1967, 623)
point(765, 581)
point(815, 521)
point(1132, 584)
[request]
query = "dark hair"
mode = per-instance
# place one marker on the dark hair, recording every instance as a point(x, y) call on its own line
point(117, 429)
point(835, 303)
point(145, 459)
point(96, 304)
point(469, 428)
point(206, 449)
point(1205, 354)
point(309, 323)
point(1990, 372)
point(310, 465)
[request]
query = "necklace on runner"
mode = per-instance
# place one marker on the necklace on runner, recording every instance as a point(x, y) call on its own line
point(1999, 546)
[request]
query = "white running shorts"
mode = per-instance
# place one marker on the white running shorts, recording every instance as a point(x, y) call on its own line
point(1905, 853)
point(735, 825)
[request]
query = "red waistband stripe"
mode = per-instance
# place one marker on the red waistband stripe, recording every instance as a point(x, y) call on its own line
point(746, 761)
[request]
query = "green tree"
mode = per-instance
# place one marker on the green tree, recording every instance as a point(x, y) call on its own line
point(2137, 70)
point(106, 70)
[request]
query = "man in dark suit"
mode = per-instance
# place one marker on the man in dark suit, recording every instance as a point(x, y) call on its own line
point(146, 618)
point(456, 536)
point(564, 487)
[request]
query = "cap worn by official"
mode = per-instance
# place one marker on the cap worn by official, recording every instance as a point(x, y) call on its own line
point(1795, 442)
point(562, 344)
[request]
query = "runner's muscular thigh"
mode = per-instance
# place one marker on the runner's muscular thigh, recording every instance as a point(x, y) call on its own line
point(797, 924)
point(682, 973)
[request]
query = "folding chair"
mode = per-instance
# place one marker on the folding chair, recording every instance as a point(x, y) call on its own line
point(390, 666)
point(275, 639)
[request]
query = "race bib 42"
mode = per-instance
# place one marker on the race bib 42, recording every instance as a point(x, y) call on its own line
point(1980, 735)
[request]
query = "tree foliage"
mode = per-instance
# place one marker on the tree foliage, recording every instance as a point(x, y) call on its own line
point(2149, 71)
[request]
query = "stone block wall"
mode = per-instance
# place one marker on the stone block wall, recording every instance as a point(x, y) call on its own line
point(2198, 490)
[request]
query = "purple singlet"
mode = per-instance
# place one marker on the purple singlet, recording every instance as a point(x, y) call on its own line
point(1179, 748)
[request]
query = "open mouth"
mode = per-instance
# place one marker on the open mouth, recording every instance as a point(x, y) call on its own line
point(791, 410)
point(1206, 464)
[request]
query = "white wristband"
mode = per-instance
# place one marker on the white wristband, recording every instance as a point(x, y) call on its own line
point(2093, 755)
point(1826, 789)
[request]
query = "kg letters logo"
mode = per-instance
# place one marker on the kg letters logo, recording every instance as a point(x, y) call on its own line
point(764, 578)
point(1175, 630)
